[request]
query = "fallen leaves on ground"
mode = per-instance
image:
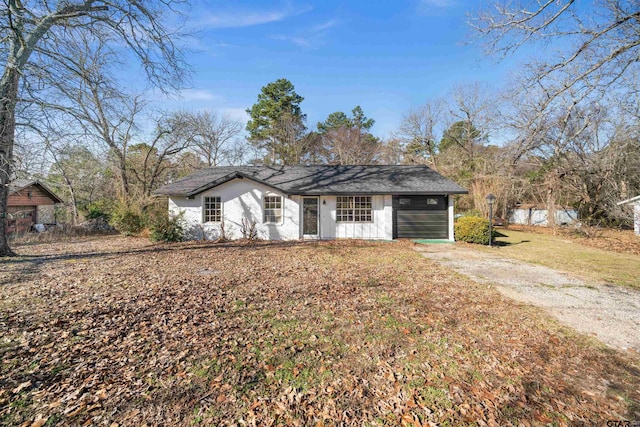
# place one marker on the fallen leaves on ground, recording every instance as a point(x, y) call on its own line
point(114, 331)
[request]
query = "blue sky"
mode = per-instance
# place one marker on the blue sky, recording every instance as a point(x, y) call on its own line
point(385, 56)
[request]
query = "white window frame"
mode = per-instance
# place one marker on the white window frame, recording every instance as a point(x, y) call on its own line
point(204, 210)
point(265, 208)
point(358, 209)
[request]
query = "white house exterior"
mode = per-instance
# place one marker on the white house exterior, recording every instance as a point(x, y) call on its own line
point(315, 202)
point(635, 201)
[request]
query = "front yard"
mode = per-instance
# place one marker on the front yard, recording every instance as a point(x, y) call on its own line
point(115, 330)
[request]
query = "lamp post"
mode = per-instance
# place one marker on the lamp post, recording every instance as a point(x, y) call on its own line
point(490, 199)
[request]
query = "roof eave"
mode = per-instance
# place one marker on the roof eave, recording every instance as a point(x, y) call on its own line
point(44, 188)
point(51, 193)
point(230, 177)
point(377, 193)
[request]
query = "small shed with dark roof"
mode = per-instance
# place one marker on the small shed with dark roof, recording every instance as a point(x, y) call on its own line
point(325, 202)
point(30, 202)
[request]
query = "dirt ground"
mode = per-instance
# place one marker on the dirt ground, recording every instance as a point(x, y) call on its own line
point(610, 313)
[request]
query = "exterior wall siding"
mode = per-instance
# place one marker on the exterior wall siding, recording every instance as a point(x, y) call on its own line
point(30, 196)
point(450, 218)
point(388, 217)
point(636, 218)
point(240, 198)
point(378, 228)
point(243, 198)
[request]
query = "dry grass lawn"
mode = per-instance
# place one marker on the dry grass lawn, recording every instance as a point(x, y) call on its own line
point(115, 330)
point(613, 257)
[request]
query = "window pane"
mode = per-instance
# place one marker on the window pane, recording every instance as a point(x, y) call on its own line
point(272, 209)
point(212, 209)
point(353, 208)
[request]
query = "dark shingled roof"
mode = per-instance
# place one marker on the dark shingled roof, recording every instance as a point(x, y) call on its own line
point(319, 180)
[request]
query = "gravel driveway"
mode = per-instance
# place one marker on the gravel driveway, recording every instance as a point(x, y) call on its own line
point(610, 313)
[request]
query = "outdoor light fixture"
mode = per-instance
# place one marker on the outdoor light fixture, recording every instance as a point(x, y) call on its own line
point(491, 200)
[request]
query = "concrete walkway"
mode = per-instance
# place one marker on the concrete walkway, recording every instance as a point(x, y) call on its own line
point(610, 313)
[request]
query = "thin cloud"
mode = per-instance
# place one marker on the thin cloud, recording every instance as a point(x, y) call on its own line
point(311, 37)
point(244, 18)
point(436, 3)
point(298, 41)
point(239, 114)
point(198, 95)
point(324, 26)
point(435, 7)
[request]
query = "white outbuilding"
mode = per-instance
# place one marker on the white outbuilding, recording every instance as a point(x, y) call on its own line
point(635, 201)
point(530, 214)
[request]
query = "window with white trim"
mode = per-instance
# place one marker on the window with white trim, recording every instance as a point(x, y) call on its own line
point(212, 209)
point(353, 209)
point(272, 209)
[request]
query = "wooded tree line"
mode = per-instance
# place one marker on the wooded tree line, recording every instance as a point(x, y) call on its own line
point(564, 131)
point(588, 159)
point(506, 142)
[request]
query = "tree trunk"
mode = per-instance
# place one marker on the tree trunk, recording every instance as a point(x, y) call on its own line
point(551, 206)
point(124, 181)
point(8, 95)
point(74, 203)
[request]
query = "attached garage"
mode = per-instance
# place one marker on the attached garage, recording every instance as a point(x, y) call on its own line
point(420, 217)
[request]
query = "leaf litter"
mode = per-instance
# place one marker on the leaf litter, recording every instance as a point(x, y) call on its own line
point(115, 331)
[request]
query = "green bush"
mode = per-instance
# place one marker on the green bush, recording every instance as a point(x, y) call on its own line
point(167, 228)
point(472, 229)
point(127, 221)
point(97, 210)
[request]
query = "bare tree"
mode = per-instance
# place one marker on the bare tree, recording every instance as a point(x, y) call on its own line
point(350, 146)
point(78, 173)
point(418, 132)
point(464, 153)
point(601, 38)
point(472, 109)
point(295, 143)
point(87, 100)
point(33, 32)
point(348, 140)
point(574, 152)
point(393, 152)
point(148, 163)
point(216, 137)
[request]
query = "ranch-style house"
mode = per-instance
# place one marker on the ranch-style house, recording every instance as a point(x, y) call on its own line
point(316, 202)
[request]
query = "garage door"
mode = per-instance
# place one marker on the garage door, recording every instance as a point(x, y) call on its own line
point(420, 217)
